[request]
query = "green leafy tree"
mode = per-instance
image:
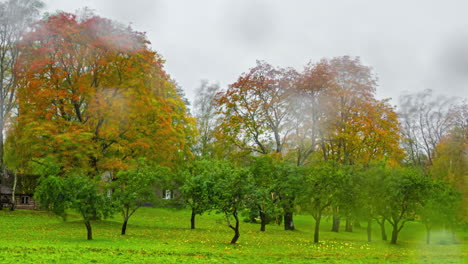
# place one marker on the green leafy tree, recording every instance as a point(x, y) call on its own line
point(197, 188)
point(135, 187)
point(371, 196)
point(441, 208)
point(264, 196)
point(232, 187)
point(323, 183)
point(407, 189)
point(289, 188)
point(85, 196)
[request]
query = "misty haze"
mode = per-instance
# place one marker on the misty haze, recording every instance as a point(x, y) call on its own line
point(233, 131)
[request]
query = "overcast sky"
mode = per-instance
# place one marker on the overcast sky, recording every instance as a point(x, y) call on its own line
point(411, 45)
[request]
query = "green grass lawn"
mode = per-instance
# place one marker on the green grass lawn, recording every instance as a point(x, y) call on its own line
point(157, 235)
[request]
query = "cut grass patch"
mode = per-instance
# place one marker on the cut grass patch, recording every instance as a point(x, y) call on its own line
point(162, 235)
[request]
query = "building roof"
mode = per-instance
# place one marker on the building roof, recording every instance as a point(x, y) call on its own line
point(5, 189)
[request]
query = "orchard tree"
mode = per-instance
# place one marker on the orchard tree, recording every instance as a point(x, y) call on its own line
point(197, 188)
point(289, 188)
point(80, 194)
point(371, 196)
point(135, 187)
point(232, 187)
point(323, 184)
point(441, 208)
point(264, 197)
point(407, 190)
point(256, 113)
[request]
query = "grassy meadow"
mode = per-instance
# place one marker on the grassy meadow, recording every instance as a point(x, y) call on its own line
point(156, 235)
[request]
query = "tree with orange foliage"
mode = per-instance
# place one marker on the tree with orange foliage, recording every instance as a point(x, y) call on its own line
point(15, 17)
point(94, 95)
point(256, 116)
point(357, 128)
point(347, 123)
point(255, 109)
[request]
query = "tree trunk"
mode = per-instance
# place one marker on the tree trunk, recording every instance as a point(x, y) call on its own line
point(369, 230)
point(192, 219)
point(428, 234)
point(317, 229)
point(382, 229)
point(88, 228)
point(236, 229)
point(394, 233)
point(124, 226)
point(13, 190)
point(1, 137)
point(335, 222)
point(349, 225)
point(263, 221)
point(288, 221)
point(278, 220)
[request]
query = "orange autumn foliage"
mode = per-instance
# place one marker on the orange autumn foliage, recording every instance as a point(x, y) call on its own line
point(93, 94)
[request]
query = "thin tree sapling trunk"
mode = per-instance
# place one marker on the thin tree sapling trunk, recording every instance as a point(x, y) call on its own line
point(336, 224)
point(349, 225)
point(124, 226)
point(235, 228)
point(396, 229)
point(288, 221)
point(369, 230)
point(394, 235)
point(382, 229)
point(317, 228)
point(89, 229)
point(13, 190)
point(263, 220)
point(428, 233)
point(192, 219)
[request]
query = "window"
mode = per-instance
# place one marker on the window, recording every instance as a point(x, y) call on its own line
point(167, 194)
point(24, 199)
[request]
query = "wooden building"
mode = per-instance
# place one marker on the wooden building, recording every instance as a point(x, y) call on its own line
point(24, 192)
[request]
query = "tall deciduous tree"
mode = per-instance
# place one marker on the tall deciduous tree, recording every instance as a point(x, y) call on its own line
point(451, 163)
point(205, 112)
point(354, 126)
point(15, 18)
point(357, 128)
point(255, 109)
point(307, 105)
point(93, 94)
point(256, 112)
point(425, 119)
